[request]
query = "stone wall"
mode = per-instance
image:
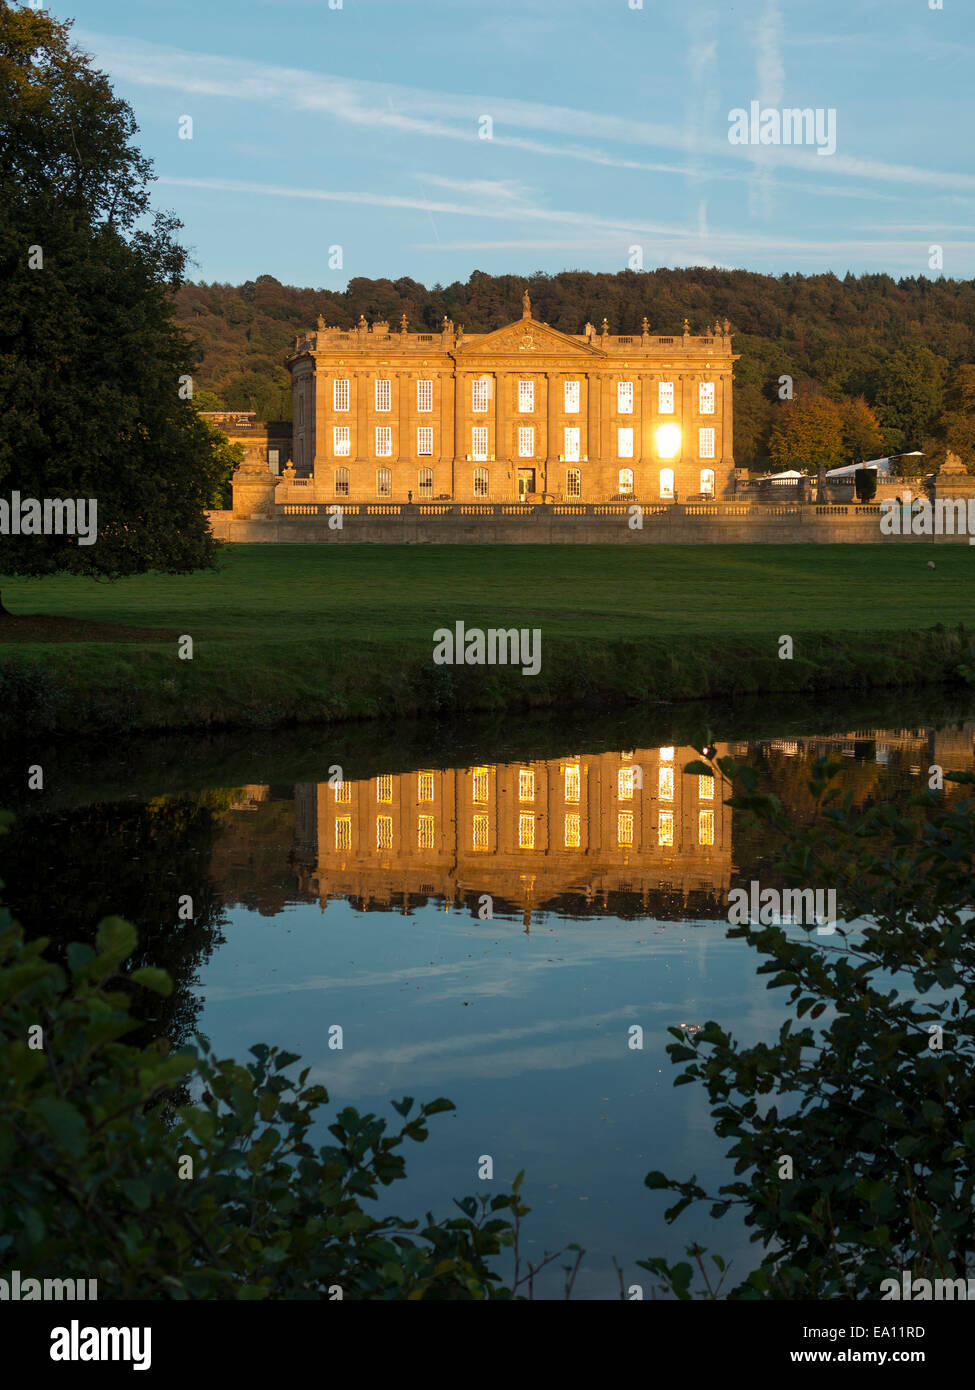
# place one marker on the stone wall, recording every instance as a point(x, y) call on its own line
point(576, 524)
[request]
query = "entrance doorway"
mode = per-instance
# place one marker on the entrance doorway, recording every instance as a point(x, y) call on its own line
point(526, 481)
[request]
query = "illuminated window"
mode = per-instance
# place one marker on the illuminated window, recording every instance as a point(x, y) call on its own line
point(526, 785)
point(624, 784)
point(570, 397)
point(572, 444)
point(424, 396)
point(480, 391)
point(665, 398)
point(342, 791)
point(340, 441)
point(480, 832)
point(573, 482)
point(424, 786)
point(341, 482)
point(572, 782)
point(705, 827)
point(343, 832)
point(624, 829)
point(626, 480)
point(707, 481)
point(624, 397)
point(624, 443)
point(384, 482)
point(480, 789)
point(665, 784)
point(526, 830)
point(424, 439)
point(572, 827)
point(706, 443)
point(480, 482)
point(425, 482)
point(666, 482)
point(384, 788)
point(705, 398)
point(705, 788)
point(665, 830)
point(479, 441)
point(526, 442)
point(384, 441)
point(384, 832)
point(340, 395)
point(424, 832)
point(383, 395)
point(666, 755)
point(526, 397)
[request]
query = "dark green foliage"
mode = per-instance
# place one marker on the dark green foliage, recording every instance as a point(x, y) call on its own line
point(865, 484)
point(92, 362)
point(880, 1124)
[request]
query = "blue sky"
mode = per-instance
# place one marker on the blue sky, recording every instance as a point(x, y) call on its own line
point(359, 127)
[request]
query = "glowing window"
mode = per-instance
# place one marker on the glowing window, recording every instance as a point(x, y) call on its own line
point(705, 788)
point(705, 398)
point(340, 395)
point(480, 392)
point(340, 441)
point(665, 830)
point(665, 398)
point(572, 443)
point(666, 482)
point(626, 480)
point(570, 397)
point(665, 784)
point(424, 439)
point(343, 832)
point(480, 790)
point(666, 755)
point(624, 829)
point(384, 832)
point(383, 395)
point(526, 785)
point(424, 832)
point(572, 782)
point(624, 784)
point(572, 831)
point(479, 441)
point(705, 827)
point(341, 482)
point(624, 443)
point(424, 786)
point(707, 481)
point(384, 788)
point(706, 443)
point(424, 396)
point(384, 441)
point(342, 791)
point(624, 397)
point(526, 442)
point(526, 396)
point(526, 830)
point(480, 832)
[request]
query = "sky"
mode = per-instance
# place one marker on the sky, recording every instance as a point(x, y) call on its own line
point(430, 138)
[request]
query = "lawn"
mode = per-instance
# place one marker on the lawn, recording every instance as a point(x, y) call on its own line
point(319, 632)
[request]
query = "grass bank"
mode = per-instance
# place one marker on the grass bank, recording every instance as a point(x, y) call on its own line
point(296, 634)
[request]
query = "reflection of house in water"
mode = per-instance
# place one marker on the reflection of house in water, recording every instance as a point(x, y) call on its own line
point(952, 749)
point(626, 833)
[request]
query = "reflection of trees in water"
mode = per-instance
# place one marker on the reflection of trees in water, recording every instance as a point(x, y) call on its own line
point(64, 872)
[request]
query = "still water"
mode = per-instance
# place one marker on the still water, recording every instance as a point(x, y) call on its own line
point(484, 913)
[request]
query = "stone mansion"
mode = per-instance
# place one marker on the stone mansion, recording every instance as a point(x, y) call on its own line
point(523, 413)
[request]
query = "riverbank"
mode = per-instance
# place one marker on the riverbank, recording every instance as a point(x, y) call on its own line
point(306, 634)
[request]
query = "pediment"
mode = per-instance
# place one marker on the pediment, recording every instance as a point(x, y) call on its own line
point(529, 337)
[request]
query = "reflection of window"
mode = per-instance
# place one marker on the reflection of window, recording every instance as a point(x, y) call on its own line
point(479, 441)
point(526, 396)
point(624, 829)
point(571, 397)
point(666, 482)
point(665, 398)
point(572, 444)
point(384, 482)
point(383, 395)
point(665, 830)
point(341, 482)
point(425, 482)
point(626, 480)
point(343, 832)
point(624, 397)
point(384, 788)
point(424, 395)
point(384, 832)
point(384, 441)
point(342, 791)
point(424, 786)
point(705, 398)
point(666, 755)
point(480, 792)
point(526, 442)
point(665, 784)
point(706, 443)
point(480, 482)
point(424, 832)
point(573, 482)
point(572, 831)
point(624, 784)
point(705, 788)
point(624, 443)
point(572, 782)
point(424, 439)
point(526, 830)
point(705, 827)
point(340, 395)
point(480, 831)
point(526, 785)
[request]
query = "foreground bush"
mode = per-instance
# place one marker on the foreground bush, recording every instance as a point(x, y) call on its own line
point(105, 1178)
point(876, 1108)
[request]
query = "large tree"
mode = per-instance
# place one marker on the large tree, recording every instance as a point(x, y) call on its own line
point(95, 374)
point(910, 395)
point(808, 434)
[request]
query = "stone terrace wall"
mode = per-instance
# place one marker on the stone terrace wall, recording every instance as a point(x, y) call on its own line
point(607, 523)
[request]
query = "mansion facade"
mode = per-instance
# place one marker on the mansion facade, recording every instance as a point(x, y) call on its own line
point(524, 413)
